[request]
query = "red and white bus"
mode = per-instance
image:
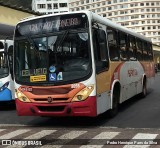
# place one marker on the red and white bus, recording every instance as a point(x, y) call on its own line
point(78, 64)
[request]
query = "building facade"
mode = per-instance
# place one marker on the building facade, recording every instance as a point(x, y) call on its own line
point(50, 6)
point(143, 16)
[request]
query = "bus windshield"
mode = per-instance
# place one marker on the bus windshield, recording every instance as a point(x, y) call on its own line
point(4, 71)
point(60, 56)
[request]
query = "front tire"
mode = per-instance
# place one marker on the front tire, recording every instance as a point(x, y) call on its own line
point(114, 111)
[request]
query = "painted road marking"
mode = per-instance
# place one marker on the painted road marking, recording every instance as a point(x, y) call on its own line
point(14, 134)
point(142, 136)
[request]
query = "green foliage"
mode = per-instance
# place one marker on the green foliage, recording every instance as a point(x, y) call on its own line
point(19, 3)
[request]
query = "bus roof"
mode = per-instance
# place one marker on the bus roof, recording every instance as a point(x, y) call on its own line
point(97, 18)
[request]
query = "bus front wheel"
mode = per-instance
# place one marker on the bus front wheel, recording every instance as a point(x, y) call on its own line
point(113, 112)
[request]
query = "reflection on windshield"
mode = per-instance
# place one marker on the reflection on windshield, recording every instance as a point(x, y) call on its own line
point(56, 58)
point(3, 65)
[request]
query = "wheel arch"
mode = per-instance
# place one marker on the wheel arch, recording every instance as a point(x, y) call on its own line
point(115, 86)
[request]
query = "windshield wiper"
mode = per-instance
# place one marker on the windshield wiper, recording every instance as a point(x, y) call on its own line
point(31, 41)
point(59, 43)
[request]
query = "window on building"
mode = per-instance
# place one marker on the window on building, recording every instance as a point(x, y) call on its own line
point(87, 7)
point(82, 8)
point(41, 6)
point(142, 16)
point(147, 4)
point(142, 10)
point(49, 6)
point(109, 2)
point(109, 14)
point(55, 6)
point(143, 22)
point(62, 4)
point(148, 10)
point(153, 10)
point(116, 13)
point(109, 8)
point(103, 3)
point(104, 8)
point(82, 2)
point(147, 15)
point(98, 10)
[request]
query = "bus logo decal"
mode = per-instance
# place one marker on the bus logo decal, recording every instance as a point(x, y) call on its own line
point(50, 99)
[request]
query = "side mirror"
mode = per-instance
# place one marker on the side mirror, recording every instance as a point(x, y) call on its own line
point(1, 45)
point(5, 47)
point(101, 36)
point(10, 58)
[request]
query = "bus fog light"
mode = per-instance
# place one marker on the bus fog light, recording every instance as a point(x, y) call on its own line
point(83, 94)
point(24, 99)
point(79, 97)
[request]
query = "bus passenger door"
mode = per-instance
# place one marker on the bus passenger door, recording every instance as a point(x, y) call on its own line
point(101, 65)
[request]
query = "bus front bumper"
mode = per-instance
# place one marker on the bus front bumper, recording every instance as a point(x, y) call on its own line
point(83, 108)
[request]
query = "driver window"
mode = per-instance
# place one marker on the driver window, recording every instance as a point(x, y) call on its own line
point(100, 50)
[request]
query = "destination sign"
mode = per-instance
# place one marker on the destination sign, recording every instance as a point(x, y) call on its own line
point(52, 24)
point(31, 72)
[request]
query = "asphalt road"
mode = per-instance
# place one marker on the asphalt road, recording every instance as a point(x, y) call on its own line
point(134, 113)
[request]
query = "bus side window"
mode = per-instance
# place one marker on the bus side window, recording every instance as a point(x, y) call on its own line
point(139, 50)
point(145, 52)
point(132, 48)
point(100, 50)
point(123, 46)
point(150, 52)
point(112, 44)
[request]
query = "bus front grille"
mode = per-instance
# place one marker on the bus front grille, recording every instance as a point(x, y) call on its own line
point(45, 100)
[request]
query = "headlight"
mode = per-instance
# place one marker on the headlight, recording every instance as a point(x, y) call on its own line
point(21, 96)
point(4, 86)
point(83, 94)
